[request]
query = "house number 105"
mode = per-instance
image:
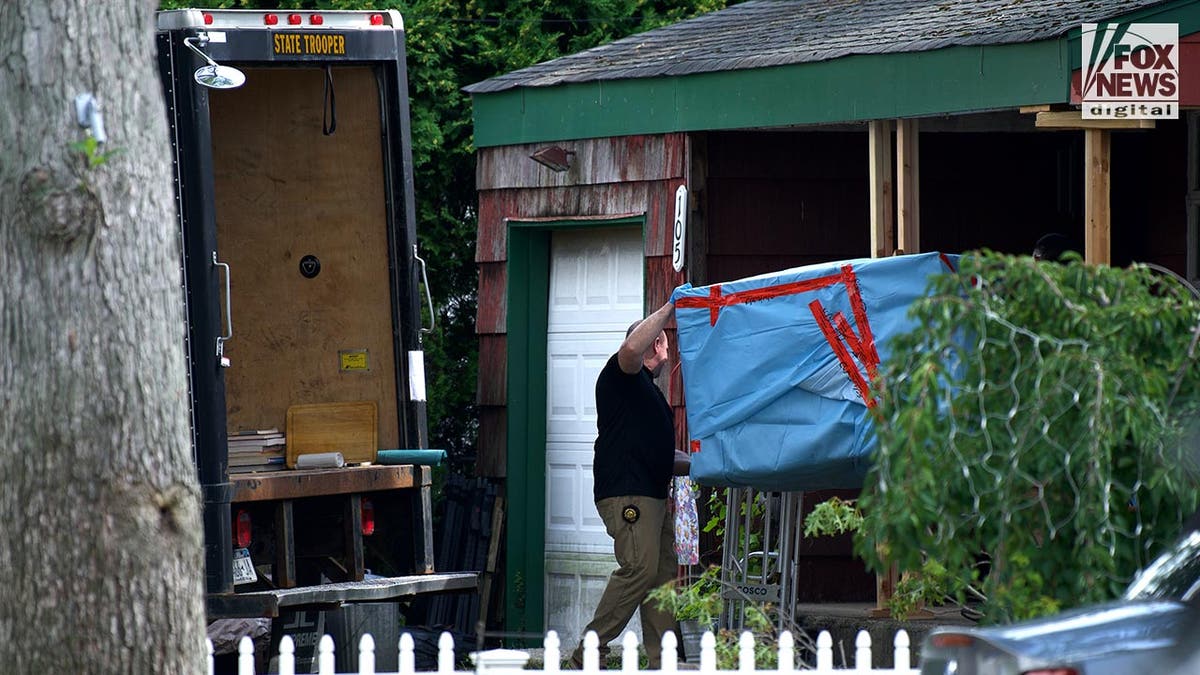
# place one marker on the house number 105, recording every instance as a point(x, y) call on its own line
point(681, 204)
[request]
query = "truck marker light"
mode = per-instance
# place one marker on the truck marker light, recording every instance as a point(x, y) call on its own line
point(368, 517)
point(376, 19)
point(316, 19)
point(271, 19)
point(208, 19)
point(294, 19)
point(242, 529)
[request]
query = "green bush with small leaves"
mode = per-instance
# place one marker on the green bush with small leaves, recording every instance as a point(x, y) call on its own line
point(1036, 432)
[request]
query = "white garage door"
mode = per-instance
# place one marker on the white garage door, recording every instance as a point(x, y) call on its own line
point(595, 293)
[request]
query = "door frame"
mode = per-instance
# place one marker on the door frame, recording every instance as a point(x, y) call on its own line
point(527, 322)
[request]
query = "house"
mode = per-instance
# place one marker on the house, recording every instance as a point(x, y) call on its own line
point(800, 132)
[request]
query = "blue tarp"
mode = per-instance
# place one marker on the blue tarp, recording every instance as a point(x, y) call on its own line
point(776, 369)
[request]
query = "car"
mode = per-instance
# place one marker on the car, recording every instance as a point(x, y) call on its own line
point(1152, 628)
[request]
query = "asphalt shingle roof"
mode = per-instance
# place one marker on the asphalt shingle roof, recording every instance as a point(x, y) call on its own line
point(763, 33)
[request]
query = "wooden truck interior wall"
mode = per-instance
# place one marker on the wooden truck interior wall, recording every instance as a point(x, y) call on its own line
point(284, 191)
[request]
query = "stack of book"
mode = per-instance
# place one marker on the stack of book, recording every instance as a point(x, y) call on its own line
point(257, 450)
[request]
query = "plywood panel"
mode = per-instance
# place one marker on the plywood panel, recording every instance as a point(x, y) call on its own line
point(285, 191)
point(348, 427)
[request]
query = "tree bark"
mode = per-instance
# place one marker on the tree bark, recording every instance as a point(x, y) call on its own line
point(101, 562)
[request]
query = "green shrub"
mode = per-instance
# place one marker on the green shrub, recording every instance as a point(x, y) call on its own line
point(1033, 432)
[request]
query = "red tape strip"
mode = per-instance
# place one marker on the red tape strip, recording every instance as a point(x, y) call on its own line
point(715, 301)
point(839, 350)
point(861, 343)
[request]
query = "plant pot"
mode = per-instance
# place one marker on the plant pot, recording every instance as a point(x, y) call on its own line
point(690, 632)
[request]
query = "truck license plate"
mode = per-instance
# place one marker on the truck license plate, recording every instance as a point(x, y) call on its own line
point(243, 568)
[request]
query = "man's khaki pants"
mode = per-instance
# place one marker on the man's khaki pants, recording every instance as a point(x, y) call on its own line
point(646, 555)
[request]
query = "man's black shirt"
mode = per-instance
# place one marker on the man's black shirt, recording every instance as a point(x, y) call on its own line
point(636, 443)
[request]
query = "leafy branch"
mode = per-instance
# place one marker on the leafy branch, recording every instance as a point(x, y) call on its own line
point(89, 148)
point(832, 517)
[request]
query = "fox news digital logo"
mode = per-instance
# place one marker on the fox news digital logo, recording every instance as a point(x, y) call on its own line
point(1130, 70)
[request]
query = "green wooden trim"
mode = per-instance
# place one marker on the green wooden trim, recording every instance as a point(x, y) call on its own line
point(527, 324)
point(528, 284)
point(853, 88)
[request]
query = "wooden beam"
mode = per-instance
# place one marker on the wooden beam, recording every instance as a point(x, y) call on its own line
point(908, 172)
point(1026, 109)
point(353, 538)
point(285, 545)
point(254, 487)
point(885, 588)
point(883, 195)
point(1073, 119)
point(422, 522)
point(1097, 154)
point(489, 567)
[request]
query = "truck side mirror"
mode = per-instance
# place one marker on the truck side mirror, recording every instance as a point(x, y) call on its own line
point(214, 75)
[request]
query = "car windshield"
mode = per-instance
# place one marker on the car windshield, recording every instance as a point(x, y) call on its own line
point(1175, 575)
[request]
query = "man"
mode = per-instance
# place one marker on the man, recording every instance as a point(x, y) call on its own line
point(635, 457)
point(1052, 247)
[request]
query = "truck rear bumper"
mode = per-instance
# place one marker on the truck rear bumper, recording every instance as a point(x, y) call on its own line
point(268, 603)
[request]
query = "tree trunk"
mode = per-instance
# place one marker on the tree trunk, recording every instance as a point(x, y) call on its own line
point(100, 541)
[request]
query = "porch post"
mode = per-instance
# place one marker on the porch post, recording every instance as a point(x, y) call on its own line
point(883, 197)
point(1097, 151)
point(1097, 156)
point(908, 182)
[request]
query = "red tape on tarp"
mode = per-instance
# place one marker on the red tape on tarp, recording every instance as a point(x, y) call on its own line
point(715, 301)
point(862, 343)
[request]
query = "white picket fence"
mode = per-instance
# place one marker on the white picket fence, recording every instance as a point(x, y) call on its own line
point(500, 661)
